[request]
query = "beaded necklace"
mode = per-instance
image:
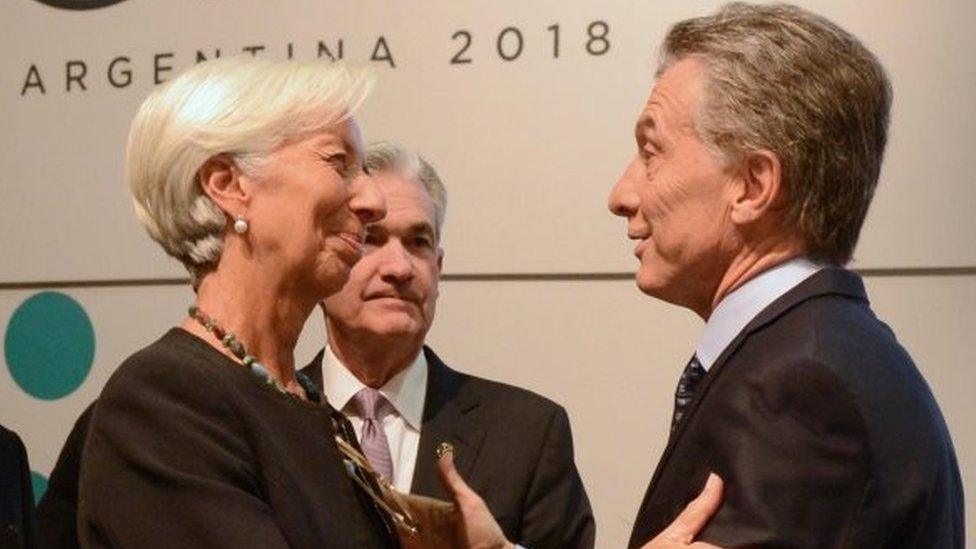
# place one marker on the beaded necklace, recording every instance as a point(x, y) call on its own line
point(236, 347)
point(387, 502)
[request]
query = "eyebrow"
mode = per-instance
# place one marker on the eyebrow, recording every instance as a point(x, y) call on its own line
point(424, 227)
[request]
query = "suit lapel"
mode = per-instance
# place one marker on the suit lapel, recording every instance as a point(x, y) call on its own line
point(314, 371)
point(829, 281)
point(450, 415)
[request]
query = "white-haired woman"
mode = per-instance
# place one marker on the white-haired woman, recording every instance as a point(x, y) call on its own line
point(248, 172)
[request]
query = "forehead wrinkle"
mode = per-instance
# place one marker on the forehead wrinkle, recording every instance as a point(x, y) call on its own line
point(405, 193)
point(675, 97)
point(662, 112)
point(341, 136)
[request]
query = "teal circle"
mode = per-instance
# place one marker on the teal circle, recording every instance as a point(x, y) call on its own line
point(39, 485)
point(49, 345)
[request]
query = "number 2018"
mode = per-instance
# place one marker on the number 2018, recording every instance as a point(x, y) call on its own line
point(509, 43)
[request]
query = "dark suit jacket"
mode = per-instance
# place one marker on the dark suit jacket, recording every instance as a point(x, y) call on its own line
point(57, 511)
point(512, 446)
point(16, 496)
point(186, 448)
point(823, 430)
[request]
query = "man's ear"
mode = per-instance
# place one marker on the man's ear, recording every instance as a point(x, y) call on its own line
point(440, 260)
point(220, 180)
point(761, 190)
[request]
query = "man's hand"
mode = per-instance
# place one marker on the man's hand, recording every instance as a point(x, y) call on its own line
point(682, 532)
point(477, 527)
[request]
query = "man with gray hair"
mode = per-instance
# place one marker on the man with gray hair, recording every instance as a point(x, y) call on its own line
point(512, 446)
point(758, 152)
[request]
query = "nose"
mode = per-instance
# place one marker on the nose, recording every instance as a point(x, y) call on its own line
point(624, 200)
point(395, 267)
point(367, 201)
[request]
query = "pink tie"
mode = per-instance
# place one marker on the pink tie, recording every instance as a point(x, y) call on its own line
point(372, 407)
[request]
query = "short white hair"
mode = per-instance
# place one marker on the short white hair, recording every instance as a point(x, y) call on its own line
point(390, 156)
point(241, 107)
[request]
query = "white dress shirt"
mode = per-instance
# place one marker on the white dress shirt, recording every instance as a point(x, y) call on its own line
point(737, 309)
point(406, 391)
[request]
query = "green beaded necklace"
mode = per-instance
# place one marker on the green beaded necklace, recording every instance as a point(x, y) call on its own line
point(236, 347)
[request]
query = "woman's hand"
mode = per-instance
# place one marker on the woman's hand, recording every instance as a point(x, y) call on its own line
point(477, 527)
point(682, 532)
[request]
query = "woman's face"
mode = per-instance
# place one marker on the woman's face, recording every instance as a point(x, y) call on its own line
point(308, 210)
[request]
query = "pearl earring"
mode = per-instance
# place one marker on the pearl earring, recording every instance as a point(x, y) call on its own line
point(240, 225)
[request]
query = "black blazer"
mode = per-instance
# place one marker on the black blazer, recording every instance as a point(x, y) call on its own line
point(16, 495)
point(186, 448)
point(512, 446)
point(823, 429)
point(57, 511)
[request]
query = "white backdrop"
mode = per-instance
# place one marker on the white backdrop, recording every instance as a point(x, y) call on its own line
point(528, 147)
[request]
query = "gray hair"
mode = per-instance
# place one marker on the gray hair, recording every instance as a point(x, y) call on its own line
point(789, 81)
point(389, 156)
point(241, 107)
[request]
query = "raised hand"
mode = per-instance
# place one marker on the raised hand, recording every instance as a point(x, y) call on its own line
point(682, 532)
point(476, 526)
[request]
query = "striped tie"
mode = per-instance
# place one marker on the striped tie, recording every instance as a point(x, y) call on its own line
point(690, 378)
point(372, 407)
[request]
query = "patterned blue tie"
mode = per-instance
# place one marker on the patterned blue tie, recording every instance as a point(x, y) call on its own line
point(690, 377)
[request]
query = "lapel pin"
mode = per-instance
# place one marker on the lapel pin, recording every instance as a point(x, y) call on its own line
point(444, 448)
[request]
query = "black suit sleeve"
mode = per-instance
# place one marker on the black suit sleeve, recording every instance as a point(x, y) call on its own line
point(167, 465)
point(557, 511)
point(58, 509)
point(794, 454)
point(16, 495)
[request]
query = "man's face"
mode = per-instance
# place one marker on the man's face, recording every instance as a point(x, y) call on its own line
point(676, 195)
point(392, 290)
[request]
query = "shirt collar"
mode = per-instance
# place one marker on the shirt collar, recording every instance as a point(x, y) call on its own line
point(738, 308)
point(406, 391)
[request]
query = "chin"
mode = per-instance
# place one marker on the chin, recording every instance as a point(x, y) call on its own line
point(652, 284)
point(645, 286)
point(397, 330)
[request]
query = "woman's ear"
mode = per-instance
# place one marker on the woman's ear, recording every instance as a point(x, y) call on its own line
point(220, 180)
point(762, 190)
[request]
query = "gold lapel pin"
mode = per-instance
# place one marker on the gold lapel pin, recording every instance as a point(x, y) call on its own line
point(444, 448)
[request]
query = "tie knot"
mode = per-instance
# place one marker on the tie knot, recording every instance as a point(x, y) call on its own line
point(369, 403)
point(690, 377)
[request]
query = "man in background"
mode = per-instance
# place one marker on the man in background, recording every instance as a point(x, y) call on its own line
point(513, 447)
point(758, 152)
